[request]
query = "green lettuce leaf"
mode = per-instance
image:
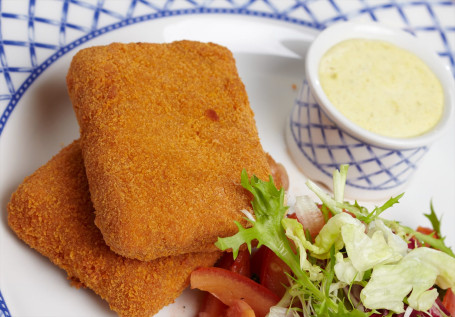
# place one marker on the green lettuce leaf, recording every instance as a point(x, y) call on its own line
point(367, 251)
point(416, 273)
point(330, 235)
point(294, 231)
point(345, 271)
point(394, 241)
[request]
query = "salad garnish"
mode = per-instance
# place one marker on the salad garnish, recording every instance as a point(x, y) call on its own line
point(359, 264)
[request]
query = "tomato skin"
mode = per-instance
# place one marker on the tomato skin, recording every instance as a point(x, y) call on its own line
point(240, 265)
point(313, 222)
point(427, 231)
point(272, 274)
point(240, 309)
point(212, 306)
point(226, 260)
point(230, 286)
point(257, 259)
point(449, 301)
point(279, 173)
point(272, 270)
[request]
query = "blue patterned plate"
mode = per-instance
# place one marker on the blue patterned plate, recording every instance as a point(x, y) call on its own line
point(269, 40)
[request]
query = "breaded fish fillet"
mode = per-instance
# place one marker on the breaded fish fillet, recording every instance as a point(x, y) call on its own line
point(166, 130)
point(52, 212)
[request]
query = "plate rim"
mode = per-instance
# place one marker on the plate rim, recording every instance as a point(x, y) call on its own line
point(208, 9)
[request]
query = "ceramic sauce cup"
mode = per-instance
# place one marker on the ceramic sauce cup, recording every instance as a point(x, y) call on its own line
point(320, 137)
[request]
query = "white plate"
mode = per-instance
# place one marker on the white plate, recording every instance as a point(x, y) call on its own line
point(269, 41)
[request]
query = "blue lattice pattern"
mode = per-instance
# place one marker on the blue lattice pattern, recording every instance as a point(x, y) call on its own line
point(34, 34)
point(4, 312)
point(326, 147)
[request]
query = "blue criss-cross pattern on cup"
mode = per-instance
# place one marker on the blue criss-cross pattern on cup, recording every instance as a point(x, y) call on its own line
point(311, 129)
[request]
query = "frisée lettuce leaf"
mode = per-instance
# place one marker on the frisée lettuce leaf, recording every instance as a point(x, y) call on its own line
point(267, 229)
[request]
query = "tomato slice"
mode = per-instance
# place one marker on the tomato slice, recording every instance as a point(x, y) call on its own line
point(427, 231)
point(240, 265)
point(229, 287)
point(279, 173)
point(257, 259)
point(240, 309)
point(226, 260)
point(272, 274)
point(449, 301)
point(313, 222)
point(212, 307)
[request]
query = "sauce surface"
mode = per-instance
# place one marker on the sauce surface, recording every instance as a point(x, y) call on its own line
point(382, 88)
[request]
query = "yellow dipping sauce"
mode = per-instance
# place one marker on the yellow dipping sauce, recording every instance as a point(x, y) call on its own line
point(381, 87)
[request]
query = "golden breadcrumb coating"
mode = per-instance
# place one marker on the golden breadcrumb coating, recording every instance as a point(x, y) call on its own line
point(52, 212)
point(166, 130)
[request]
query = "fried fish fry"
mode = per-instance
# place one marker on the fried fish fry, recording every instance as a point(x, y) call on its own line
point(52, 212)
point(166, 130)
